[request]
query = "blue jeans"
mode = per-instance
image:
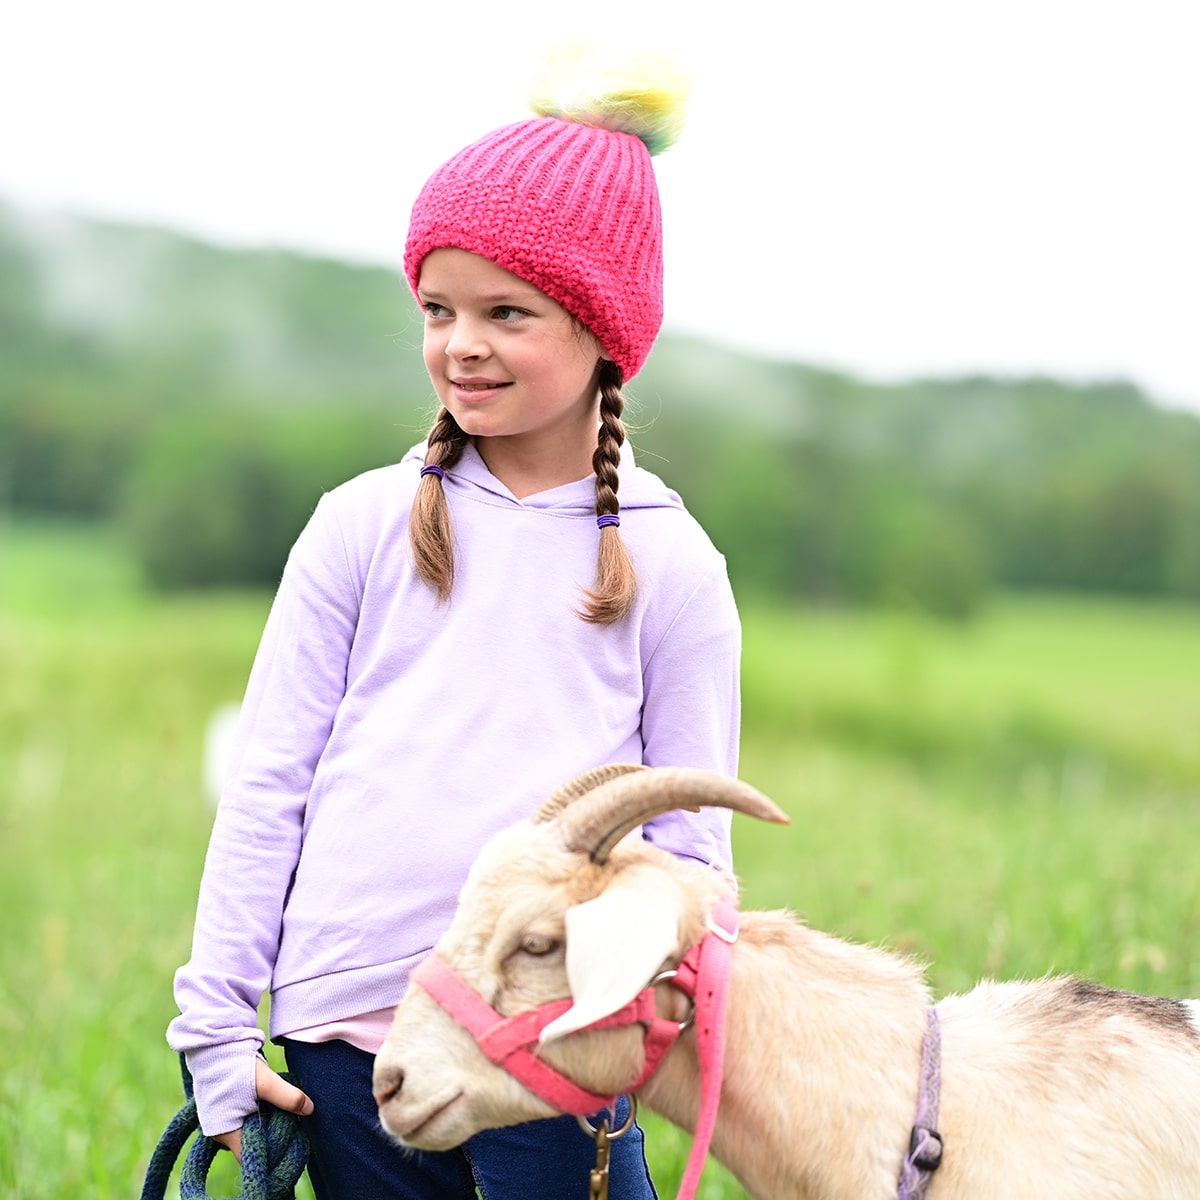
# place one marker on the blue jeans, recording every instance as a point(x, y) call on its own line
point(353, 1159)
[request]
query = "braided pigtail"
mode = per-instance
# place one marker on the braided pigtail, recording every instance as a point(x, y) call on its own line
point(615, 589)
point(429, 531)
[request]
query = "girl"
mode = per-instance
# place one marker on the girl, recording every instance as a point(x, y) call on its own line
point(453, 638)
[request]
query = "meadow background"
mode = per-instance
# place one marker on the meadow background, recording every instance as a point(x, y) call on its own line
point(971, 671)
point(1011, 798)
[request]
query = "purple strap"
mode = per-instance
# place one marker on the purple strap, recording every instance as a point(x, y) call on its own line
point(433, 469)
point(607, 519)
point(925, 1145)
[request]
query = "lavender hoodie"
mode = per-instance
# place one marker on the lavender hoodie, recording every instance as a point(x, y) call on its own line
point(385, 738)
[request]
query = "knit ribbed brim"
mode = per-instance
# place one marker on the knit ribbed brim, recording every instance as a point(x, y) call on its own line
point(570, 208)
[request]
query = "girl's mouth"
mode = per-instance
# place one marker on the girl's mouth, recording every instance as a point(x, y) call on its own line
point(477, 388)
point(478, 384)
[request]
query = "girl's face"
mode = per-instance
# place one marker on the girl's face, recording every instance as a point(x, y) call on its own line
point(513, 368)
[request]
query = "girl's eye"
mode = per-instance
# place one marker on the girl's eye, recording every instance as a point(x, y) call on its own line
point(538, 945)
point(433, 310)
point(508, 312)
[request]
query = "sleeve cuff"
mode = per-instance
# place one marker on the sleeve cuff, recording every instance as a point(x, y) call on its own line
point(223, 1084)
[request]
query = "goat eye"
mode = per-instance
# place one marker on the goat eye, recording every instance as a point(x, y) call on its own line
point(538, 944)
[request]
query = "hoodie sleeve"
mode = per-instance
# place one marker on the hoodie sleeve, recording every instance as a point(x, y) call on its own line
point(692, 712)
point(296, 684)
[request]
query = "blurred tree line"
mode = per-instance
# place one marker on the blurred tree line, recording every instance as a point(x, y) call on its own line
point(202, 398)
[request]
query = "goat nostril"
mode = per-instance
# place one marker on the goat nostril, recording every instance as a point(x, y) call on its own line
point(386, 1085)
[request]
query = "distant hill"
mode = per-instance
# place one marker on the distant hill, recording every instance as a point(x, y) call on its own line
point(272, 323)
point(121, 347)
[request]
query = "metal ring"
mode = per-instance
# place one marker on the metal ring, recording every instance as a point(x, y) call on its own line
point(592, 1130)
point(690, 1019)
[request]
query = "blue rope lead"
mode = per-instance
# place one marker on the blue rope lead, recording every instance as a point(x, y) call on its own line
point(274, 1152)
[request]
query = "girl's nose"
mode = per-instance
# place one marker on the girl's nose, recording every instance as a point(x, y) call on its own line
point(466, 341)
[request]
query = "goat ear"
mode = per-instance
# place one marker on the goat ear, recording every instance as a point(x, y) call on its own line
point(615, 944)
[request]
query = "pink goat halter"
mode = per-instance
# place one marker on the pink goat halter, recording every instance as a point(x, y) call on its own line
point(703, 976)
point(508, 1041)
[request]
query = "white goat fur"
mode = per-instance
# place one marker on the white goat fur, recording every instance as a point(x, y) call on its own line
point(1052, 1088)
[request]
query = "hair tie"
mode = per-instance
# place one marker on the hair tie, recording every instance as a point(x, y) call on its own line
point(607, 519)
point(433, 469)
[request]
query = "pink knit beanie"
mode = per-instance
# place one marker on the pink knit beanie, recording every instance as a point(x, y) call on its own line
point(571, 208)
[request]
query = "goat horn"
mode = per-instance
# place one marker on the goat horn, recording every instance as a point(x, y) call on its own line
point(580, 786)
point(595, 823)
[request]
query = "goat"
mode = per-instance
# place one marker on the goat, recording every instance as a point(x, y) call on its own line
point(1053, 1088)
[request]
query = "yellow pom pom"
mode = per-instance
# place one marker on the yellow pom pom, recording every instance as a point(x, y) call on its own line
point(642, 94)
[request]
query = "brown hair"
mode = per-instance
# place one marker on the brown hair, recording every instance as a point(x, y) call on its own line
point(615, 588)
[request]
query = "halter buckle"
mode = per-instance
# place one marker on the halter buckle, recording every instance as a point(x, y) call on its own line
point(925, 1148)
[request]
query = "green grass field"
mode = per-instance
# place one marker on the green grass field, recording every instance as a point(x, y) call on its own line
point(1014, 797)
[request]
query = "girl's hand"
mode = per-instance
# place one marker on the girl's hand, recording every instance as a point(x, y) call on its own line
point(274, 1090)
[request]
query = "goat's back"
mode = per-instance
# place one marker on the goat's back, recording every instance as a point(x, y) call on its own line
point(1062, 1088)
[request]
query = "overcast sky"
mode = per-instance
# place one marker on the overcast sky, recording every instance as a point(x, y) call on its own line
point(886, 187)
